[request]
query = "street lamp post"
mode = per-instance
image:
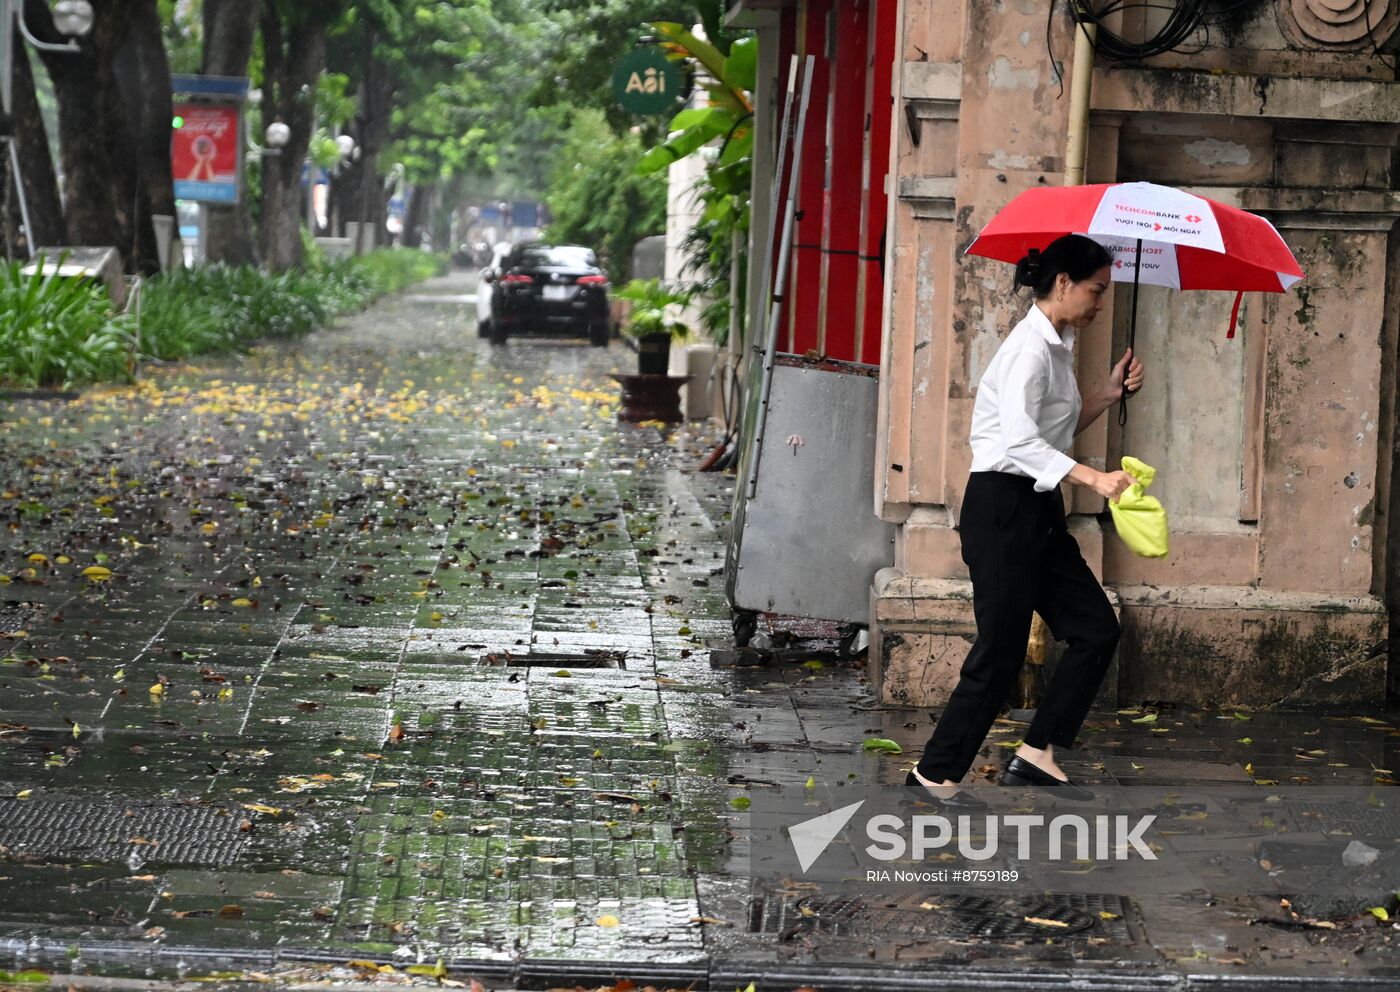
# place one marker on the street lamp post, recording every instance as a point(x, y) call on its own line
point(73, 19)
point(276, 137)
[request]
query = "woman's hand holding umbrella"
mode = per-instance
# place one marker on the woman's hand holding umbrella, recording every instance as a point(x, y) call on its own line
point(1128, 372)
point(1125, 379)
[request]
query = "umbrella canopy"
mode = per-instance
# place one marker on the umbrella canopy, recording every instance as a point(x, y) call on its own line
point(1186, 241)
point(1156, 234)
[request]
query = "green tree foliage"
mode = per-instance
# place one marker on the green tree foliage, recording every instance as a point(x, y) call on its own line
point(184, 39)
point(598, 198)
point(726, 71)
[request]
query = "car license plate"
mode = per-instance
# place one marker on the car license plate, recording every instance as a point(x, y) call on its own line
point(558, 292)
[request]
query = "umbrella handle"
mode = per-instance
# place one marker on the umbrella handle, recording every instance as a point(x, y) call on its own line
point(1132, 336)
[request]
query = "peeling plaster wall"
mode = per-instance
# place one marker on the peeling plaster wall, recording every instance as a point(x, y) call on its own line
point(1190, 424)
point(1273, 449)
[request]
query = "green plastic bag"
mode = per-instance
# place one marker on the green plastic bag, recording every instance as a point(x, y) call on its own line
point(1140, 519)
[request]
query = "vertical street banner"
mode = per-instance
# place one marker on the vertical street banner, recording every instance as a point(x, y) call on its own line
point(205, 157)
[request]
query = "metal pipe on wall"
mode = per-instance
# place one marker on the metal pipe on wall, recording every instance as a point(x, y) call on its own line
point(1080, 85)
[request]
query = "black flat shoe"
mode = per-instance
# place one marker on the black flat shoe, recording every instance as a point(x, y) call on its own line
point(1021, 773)
point(959, 801)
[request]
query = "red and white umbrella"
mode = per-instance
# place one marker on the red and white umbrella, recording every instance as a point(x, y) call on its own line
point(1157, 235)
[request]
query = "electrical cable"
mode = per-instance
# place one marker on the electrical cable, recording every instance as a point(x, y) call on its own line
point(1390, 63)
point(1185, 17)
point(1050, 50)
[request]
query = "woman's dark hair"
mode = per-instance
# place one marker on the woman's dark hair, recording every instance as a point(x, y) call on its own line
point(1073, 254)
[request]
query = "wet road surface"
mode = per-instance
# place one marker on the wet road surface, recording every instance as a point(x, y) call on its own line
point(389, 646)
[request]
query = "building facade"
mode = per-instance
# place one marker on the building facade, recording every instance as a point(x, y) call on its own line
point(1273, 448)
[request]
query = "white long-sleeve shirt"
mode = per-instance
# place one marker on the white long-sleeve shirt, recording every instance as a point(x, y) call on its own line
point(1028, 405)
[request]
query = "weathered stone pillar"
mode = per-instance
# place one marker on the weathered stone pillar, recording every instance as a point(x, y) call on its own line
point(978, 122)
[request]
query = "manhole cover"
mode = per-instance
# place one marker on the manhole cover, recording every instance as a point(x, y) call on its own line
point(95, 832)
point(544, 659)
point(943, 916)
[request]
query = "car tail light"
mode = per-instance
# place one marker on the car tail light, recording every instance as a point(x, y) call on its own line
point(592, 280)
point(514, 279)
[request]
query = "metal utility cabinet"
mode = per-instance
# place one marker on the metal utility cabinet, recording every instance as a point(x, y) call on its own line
point(806, 541)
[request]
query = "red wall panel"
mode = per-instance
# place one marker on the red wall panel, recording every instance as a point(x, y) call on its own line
point(883, 19)
point(842, 199)
point(803, 304)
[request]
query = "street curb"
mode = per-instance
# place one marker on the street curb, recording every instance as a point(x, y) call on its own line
point(700, 976)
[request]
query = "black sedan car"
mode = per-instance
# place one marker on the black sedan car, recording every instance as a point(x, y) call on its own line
point(549, 289)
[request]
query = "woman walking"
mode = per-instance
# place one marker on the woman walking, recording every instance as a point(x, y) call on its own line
point(1014, 541)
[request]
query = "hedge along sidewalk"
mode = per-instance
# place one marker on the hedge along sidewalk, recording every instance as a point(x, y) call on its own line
point(64, 332)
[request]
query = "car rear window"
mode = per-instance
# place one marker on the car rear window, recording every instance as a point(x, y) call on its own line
point(565, 257)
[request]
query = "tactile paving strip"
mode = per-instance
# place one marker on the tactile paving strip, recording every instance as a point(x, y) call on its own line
point(77, 831)
point(485, 869)
point(945, 916)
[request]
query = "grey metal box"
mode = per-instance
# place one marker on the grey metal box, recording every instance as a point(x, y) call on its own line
point(807, 541)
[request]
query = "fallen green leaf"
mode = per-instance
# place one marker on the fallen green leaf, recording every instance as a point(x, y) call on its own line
point(883, 745)
point(433, 970)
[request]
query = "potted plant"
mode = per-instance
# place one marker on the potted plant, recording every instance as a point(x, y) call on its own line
point(650, 324)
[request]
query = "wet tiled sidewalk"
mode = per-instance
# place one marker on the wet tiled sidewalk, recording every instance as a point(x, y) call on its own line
point(389, 646)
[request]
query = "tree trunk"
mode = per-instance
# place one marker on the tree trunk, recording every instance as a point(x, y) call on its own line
point(40, 183)
point(376, 108)
point(142, 99)
point(294, 51)
point(90, 208)
point(416, 216)
point(442, 217)
point(114, 126)
point(229, 28)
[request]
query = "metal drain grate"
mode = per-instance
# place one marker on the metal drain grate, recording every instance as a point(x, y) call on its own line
point(94, 832)
point(944, 916)
point(13, 617)
point(1368, 821)
point(544, 659)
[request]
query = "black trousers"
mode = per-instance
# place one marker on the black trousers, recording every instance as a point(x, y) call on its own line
point(1022, 559)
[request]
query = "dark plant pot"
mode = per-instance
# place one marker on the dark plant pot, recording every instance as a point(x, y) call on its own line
point(650, 397)
point(653, 354)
